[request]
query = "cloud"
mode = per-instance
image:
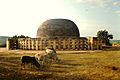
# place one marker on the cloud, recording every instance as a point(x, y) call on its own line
point(100, 3)
point(116, 3)
point(118, 12)
point(113, 5)
point(93, 1)
point(79, 1)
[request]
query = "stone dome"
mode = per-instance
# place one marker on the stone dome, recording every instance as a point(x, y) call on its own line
point(58, 28)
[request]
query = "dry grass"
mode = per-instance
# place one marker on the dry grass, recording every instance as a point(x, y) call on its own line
point(97, 65)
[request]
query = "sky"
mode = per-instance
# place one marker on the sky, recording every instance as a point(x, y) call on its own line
point(25, 16)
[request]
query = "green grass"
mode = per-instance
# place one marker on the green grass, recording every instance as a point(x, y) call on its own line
point(102, 65)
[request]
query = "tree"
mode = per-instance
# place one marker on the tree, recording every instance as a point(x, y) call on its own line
point(15, 36)
point(21, 36)
point(105, 36)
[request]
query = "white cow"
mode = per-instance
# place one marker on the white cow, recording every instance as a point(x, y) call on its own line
point(38, 56)
point(48, 57)
point(52, 54)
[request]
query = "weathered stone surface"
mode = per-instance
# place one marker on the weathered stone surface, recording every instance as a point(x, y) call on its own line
point(58, 28)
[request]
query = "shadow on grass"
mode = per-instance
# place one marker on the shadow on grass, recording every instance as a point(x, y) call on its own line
point(70, 63)
point(44, 76)
point(114, 68)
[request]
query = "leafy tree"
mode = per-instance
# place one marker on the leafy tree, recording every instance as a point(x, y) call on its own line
point(105, 36)
point(21, 36)
point(15, 36)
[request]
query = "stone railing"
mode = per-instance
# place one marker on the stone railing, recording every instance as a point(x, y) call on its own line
point(82, 43)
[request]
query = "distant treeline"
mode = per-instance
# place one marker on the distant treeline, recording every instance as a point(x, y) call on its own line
point(115, 41)
point(21, 36)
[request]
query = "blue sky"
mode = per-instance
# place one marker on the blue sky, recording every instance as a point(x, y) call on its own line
point(24, 16)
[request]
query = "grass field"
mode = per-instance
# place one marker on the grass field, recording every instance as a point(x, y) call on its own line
point(90, 65)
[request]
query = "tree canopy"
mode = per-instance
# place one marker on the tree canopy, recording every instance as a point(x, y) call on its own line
point(105, 36)
point(21, 36)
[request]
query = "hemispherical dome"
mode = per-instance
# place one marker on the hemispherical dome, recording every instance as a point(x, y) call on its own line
point(58, 28)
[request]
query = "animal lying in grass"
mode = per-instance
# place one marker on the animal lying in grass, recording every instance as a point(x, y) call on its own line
point(51, 53)
point(48, 57)
point(29, 60)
